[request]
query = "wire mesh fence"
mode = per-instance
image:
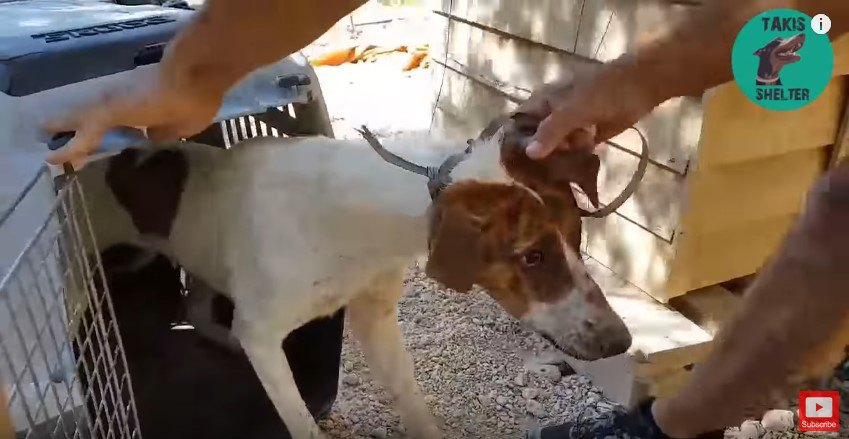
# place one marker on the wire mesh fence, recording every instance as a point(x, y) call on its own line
point(62, 365)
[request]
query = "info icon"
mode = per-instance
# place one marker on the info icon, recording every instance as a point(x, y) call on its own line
point(819, 411)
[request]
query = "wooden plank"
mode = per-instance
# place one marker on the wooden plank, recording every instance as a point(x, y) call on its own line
point(721, 197)
point(505, 59)
point(841, 143)
point(611, 28)
point(841, 56)
point(551, 22)
point(656, 204)
point(667, 384)
point(465, 107)
point(711, 258)
point(709, 307)
point(600, 29)
point(633, 253)
point(672, 129)
point(735, 129)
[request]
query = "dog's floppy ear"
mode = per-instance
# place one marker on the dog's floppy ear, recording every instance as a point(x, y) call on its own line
point(553, 173)
point(455, 250)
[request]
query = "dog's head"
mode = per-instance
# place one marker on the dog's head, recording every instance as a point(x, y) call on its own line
point(778, 53)
point(520, 242)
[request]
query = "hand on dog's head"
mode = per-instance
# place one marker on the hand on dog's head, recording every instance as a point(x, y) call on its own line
point(553, 174)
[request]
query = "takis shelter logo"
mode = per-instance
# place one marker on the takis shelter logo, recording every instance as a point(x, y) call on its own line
point(780, 62)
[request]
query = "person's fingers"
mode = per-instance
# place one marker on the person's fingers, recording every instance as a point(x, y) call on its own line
point(84, 143)
point(166, 133)
point(536, 106)
point(554, 129)
point(64, 123)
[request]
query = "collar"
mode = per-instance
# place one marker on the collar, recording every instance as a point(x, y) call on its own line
point(768, 81)
point(438, 178)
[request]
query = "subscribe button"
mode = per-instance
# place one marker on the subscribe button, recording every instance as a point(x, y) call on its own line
point(819, 411)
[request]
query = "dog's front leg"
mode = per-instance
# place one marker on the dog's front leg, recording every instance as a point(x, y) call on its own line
point(269, 361)
point(374, 323)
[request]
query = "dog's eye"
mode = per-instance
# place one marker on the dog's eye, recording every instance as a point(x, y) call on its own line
point(532, 258)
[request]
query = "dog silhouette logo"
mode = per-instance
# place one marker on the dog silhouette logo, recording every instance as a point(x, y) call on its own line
point(775, 55)
point(779, 62)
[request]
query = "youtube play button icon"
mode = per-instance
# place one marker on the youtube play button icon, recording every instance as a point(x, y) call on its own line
point(819, 411)
point(818, 407)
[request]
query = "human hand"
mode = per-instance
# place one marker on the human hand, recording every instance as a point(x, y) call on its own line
point(164, 109)
point(599, 103)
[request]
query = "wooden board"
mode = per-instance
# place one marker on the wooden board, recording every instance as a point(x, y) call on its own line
point(673, 129)
point(735, 129)
point(841, 144)
point(711, 258)
point(610, 28)
point(633, 253)
point(841, 56)
point(656, 204)
point(466, 107)
point(506, 59)
point(709, 307)
point(723, 196)
point(554, 23)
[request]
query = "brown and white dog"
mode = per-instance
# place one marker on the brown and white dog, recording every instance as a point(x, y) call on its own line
point(296, 228)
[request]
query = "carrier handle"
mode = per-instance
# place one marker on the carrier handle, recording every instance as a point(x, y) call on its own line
point(115, 139)
point(149, 55)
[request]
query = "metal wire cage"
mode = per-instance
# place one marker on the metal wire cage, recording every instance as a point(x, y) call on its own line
point(62, 365)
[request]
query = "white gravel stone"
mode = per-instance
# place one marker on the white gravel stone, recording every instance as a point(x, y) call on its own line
point(548, 371)
point(379, 433)
point(530, 393)
point(535, 408)
point(778, 420)
point(351, 380)
point(750, 430)
point(521, 379)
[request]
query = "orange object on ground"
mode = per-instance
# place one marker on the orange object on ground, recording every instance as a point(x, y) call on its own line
point(368, 53)
point(415, 60)
point(335, 58)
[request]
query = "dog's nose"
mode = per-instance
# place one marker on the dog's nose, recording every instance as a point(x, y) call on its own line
point(618, 346)
point(615, 341)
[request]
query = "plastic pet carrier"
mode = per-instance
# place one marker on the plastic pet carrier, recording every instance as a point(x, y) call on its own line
point(87, 348)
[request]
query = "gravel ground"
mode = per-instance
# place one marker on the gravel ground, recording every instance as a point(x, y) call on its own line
point(483, 374)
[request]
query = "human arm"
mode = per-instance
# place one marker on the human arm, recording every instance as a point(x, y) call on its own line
point(230, 38)
point(690, 58)
point(226, 40)
point(793, 316)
